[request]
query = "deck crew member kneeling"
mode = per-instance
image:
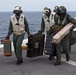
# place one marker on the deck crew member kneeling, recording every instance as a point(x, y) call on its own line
point(18, 26)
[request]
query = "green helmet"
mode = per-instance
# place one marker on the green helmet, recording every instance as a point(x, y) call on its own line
point(56, 8)
point(62, 10)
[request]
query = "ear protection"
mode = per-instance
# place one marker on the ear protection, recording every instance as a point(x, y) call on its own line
point(63, 10)
point(14, 11)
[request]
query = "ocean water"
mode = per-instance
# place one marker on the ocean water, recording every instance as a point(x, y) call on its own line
point(33, 19)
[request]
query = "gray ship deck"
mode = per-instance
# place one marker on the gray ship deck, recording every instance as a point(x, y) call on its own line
point(38, 65)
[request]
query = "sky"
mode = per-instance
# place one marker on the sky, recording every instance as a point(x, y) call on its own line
point(36, 5)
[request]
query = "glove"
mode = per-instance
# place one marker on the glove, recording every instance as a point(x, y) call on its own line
point(7, 37)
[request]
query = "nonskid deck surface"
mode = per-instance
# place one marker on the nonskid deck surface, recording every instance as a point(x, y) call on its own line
point(38, 65)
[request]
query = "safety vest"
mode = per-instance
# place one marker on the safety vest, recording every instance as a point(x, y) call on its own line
point(49, 21)
point(18, 26)
point(52, 18)
point(64, 21)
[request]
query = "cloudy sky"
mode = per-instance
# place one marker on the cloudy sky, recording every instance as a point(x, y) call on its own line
point(36, 5)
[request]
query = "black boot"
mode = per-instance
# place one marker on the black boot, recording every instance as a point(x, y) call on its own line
point(19, 62)
point(51, 57)
point(57, 63)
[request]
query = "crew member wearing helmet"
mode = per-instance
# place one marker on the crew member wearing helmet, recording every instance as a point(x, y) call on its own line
point(47, 19)
point(56, 8)
point(47, 22)
point(60, 21)
point(18, 25)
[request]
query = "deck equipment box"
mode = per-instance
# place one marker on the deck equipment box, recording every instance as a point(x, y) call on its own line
point(7, 48)
point(35, 45)
point(49, 46)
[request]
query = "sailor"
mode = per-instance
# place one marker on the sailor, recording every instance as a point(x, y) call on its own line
point(18, 26)
point(60, 21)
point(47, 19)
point(56, 9)
point(47, 22)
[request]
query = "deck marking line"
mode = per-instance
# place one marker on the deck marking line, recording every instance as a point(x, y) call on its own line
point(73, 63)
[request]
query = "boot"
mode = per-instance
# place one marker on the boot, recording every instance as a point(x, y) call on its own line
point(57, 63)
point(51, 57)
point(19, 62)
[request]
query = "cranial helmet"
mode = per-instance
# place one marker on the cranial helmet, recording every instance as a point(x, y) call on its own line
point(62, 10)
point(56, 9)
point(17, 8)
point(46, 9)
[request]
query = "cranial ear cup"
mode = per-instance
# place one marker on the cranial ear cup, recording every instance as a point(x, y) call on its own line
point(21, 11)
point(14, 11)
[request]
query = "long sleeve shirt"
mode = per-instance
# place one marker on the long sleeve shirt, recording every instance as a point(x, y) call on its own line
point(42, 25)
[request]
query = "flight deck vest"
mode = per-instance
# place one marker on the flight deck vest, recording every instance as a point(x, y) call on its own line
point(48, 21)
point(18, 26)
point(64, 22)
point(60, 24)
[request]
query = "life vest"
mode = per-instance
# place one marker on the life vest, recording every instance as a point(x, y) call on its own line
point(49, 21)
point(18, 29)
point(52, 18)
point(64, 21)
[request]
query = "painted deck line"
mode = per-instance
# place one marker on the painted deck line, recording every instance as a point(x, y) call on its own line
point(73, 63)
